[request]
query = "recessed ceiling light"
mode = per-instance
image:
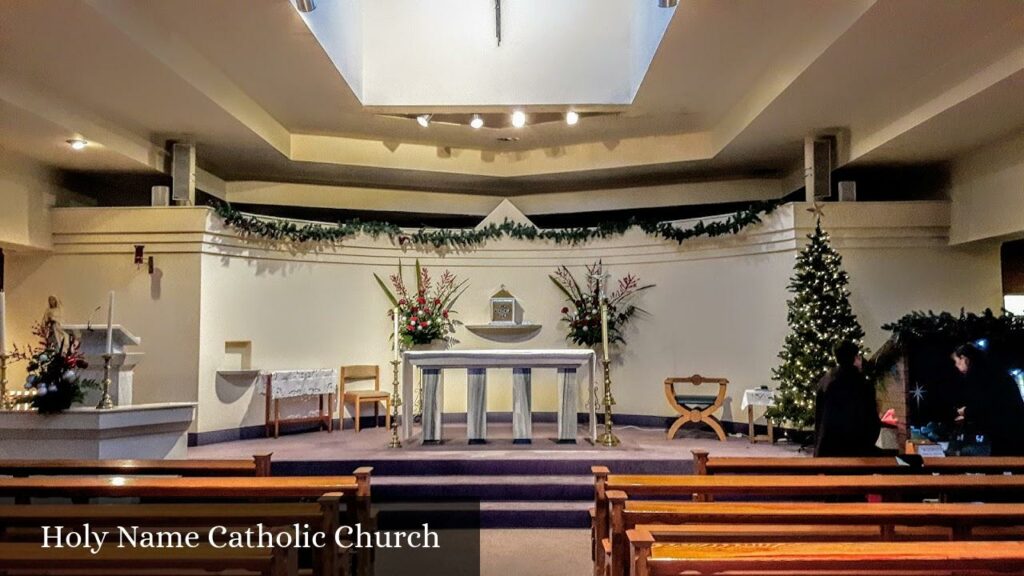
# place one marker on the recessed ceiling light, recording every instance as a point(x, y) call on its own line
point(305, 5)
point(518, 119)
point(423, 120)
point(477, 121)
point(77, 143)
point(571, 118)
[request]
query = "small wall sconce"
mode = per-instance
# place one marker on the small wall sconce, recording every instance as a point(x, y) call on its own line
point(140, 258)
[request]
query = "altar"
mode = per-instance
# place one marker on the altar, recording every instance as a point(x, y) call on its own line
point(575, 368)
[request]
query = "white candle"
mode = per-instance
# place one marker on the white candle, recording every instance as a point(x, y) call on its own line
point(110, 323)
point(604, 328)
point(394, 315)
point(3, 324)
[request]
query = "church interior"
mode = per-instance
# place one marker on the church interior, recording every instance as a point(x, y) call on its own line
point(276, 276)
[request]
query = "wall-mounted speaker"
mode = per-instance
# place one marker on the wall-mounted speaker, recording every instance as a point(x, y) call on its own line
point(847, 191)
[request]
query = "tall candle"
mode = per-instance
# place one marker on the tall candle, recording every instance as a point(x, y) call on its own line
point(110, 323)
point(3, 324)
point(604, 329)
point(394, 315)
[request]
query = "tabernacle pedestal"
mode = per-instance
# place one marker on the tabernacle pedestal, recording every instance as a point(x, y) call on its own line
point(146, 431)
point(93, 340)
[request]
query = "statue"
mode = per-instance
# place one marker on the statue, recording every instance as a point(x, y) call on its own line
point(53, 324)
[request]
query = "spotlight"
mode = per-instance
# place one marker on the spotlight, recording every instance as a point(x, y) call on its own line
point(518, 119)
point(571, 118)
point(305, 5)
point(477, 121)
point(423, 120)
point(981, 344)
point(77, 143)
point(668, 3)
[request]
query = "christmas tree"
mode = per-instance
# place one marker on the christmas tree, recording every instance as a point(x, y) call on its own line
point(820, 317)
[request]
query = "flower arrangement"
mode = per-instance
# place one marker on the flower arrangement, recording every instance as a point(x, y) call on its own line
point(583, 315)
point(53, 370)
point(426, 314)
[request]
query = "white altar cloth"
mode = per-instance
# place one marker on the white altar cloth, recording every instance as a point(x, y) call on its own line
point(574, 366)
point(296, 383)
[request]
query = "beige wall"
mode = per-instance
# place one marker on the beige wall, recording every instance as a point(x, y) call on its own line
point(988, 192)
point(27, 191)
point(718, 308)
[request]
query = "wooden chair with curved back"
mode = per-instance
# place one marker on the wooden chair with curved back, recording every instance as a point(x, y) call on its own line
point(358, 397)
point(695, 407)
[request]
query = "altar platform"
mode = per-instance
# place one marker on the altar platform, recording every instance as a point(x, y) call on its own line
point(542, 485)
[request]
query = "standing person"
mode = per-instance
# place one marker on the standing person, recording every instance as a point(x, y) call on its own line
point(993, 404)
point(846, 419)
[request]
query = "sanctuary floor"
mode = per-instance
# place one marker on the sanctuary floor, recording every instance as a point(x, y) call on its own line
point(639, 444)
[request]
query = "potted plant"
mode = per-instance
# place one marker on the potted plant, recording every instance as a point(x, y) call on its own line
point(583, 314)
point(425, 316)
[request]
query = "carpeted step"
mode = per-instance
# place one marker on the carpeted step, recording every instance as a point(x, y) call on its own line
point(481, 466)
point(482, 488)
point(530, 514)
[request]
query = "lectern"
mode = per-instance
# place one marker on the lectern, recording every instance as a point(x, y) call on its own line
point(122, 363)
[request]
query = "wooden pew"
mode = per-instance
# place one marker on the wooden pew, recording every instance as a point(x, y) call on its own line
point(704, 487)
point(704, 464)
point(660, 559)
point(133, 561)
point(258, 466)
point(789, 521)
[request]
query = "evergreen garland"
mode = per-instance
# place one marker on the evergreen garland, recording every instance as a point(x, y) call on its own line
point(322, 233)
point(820, 317)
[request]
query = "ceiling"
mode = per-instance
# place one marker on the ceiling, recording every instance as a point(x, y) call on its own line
point(731, 91)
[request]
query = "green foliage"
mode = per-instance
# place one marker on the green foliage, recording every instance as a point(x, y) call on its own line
point(945, 328)
point(53, 371)
point(819, 317)
point(321, 233)
point(426, 315)
point(583, 315)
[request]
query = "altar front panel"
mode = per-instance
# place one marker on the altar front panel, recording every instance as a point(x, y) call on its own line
point(575, 367)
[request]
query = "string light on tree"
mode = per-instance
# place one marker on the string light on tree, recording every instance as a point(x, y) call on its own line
point(820, 317)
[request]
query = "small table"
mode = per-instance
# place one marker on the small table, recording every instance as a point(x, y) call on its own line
point(758, 397)
point(295, 384)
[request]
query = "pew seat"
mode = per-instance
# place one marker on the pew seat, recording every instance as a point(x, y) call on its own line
point(258, 466)
point(650, 558)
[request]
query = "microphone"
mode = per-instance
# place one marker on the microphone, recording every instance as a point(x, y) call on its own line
point(88, 323)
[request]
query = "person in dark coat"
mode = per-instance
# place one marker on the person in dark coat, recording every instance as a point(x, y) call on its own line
point(846, 421)
point(993, 405)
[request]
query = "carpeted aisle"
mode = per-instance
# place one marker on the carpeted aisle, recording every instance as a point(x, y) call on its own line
point(535, 553)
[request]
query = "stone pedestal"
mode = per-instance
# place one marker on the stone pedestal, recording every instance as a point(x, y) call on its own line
point(145, 431)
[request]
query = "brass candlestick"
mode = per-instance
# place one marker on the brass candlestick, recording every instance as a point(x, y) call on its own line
point(106, 402)
point(608, 438)
point(396, 401)
point(5, 403)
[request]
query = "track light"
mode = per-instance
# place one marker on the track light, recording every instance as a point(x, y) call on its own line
point(668, 3)
point(518, 119)
point(477, 121)
point(571, 118)
point(77, 143)
point(305, 5)
point(423, 120)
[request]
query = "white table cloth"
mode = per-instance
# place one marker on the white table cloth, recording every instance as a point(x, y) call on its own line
point(575, 368)
point(757, 397)
point(295, 383)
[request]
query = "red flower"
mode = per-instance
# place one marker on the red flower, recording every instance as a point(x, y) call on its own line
point(565, 310)
point(421, 300)
point(414, 309)
point(402, 302)
point(437, 301)
point(445, 313)
point(423, 324)
point(413, 320)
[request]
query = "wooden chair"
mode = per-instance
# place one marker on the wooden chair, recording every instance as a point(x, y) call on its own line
point(694, 407)
point(358, 397)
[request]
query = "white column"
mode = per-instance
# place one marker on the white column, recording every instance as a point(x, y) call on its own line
point(476, 409)
point(522, 413)
point(567, 401)
point(432, 402)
